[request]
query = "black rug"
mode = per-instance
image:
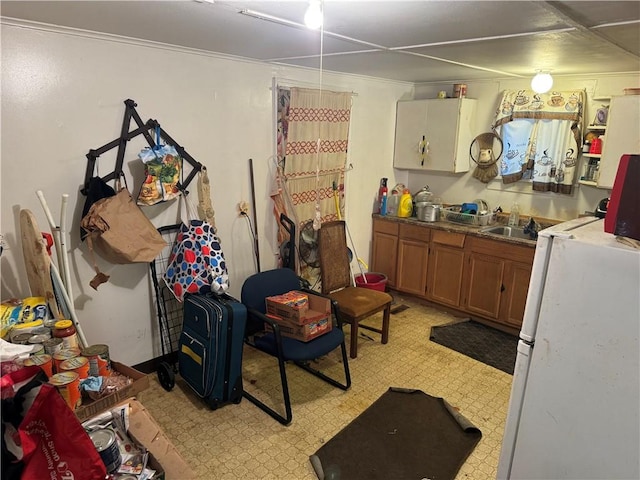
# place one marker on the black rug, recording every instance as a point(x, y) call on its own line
point(405, 434)
point(485, 344)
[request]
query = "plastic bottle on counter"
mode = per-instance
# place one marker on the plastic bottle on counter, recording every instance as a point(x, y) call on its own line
point(405, 208)
point(383, 202)
point(381, 190)
point(514, 215)
point(393, 201)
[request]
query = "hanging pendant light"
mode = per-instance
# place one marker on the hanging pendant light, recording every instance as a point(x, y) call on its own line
point(313, 17)
point(542, 82)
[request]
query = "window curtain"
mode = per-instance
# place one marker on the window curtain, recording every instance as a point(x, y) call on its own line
point(541, 134)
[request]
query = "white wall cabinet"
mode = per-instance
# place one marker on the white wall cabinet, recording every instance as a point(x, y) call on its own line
point(622, 136)
point(443, 126)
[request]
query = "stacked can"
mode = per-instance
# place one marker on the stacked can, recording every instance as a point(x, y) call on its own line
point(99, 361)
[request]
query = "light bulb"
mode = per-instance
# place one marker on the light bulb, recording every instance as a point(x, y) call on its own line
point(542, 82)
point(313, 16)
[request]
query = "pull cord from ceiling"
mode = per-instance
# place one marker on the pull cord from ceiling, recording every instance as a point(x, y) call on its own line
point(317, 219)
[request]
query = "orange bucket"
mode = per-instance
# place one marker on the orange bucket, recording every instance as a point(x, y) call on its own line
point(43, 361)
point(63, 355)
point(80, 365)
point(68, 384)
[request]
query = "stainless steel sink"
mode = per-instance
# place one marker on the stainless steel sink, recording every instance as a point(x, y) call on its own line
point(507, 232)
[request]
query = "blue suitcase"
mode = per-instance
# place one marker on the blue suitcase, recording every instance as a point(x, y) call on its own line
point(210, 347)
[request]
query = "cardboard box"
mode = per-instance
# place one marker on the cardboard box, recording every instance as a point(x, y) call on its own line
point(164, 458)
point(291, 306)
point(315, 306)
point(91, 408)
point(313, 327)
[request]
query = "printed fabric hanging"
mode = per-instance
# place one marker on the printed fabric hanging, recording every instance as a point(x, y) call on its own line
point(541, 137)
point(316, 151)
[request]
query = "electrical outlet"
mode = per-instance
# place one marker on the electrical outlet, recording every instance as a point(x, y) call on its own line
point(243, 208)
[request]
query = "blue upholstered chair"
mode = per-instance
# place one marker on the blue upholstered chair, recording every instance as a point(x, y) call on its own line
point(285, 349)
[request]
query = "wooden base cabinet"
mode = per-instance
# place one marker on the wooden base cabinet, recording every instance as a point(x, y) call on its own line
point(384, 251)
point(413, 257)
point(516, 282)
point(497, 280)
point(487, 279)
point(483, 284)
point(446, 267)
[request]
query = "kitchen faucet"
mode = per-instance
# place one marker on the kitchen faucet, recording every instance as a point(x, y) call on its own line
point(531, 228)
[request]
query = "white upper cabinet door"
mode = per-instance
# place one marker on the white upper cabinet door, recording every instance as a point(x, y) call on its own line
point(443, 127)
point(622, 136)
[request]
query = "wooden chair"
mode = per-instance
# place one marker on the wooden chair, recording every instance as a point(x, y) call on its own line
point(354, 303)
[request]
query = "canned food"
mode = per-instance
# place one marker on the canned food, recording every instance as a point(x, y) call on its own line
point(64, 354)
point(33, 339)
point(21, 338)
point(107, 446)
point(42, 331)
point(459, 90)
point(80, 365)
point(68, 384)
point(43, 361)
point(99, 361)
point(53, 345)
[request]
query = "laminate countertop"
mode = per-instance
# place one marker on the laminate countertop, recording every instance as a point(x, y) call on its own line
point(469, 229)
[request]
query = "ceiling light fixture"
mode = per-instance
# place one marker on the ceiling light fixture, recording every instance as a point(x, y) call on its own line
point(542, 82)
point(313, 17)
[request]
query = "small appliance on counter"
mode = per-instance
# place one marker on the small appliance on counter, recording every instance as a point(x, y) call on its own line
point(601, 209)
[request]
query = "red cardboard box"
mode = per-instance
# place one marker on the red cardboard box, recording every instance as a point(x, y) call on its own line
point(292, 306)
point(312, 328)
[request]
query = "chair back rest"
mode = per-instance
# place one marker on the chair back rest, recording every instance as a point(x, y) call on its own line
point(266, 284)
point(335, 272)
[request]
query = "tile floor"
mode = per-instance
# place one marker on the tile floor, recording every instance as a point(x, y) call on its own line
point(242, 442)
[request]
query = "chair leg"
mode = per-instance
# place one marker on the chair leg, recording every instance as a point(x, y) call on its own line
point(286, 419)
point(354, 339)
point(326, 378)
point(385, 324)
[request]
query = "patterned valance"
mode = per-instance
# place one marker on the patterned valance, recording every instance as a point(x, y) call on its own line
point(555, 105)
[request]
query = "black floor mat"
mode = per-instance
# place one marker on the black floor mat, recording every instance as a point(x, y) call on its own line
point(404, 434)
point(485, 344)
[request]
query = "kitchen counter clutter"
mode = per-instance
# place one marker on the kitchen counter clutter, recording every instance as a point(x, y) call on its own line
point(461, 267)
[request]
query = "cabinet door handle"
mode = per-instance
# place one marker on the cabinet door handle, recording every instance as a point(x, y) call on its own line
point(502, 289)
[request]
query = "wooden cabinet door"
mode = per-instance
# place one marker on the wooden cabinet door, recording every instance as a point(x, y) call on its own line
point(413, 259)
point(484, 284)
point(446, 265)
point(514, 298)
point(384, 256)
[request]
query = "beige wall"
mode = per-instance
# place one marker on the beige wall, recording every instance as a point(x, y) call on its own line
point(465, 188)
point(63, 94)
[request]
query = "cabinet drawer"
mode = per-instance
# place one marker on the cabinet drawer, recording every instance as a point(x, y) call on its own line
point(414, 232)
point(448, 238)
point(385, 226)
point(504, 250)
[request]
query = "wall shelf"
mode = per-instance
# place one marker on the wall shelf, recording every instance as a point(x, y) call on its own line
point(588, 182)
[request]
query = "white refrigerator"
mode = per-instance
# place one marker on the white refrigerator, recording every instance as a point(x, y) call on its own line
point(574, 411)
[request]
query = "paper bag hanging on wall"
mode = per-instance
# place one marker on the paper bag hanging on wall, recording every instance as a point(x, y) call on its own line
point(121, 233)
